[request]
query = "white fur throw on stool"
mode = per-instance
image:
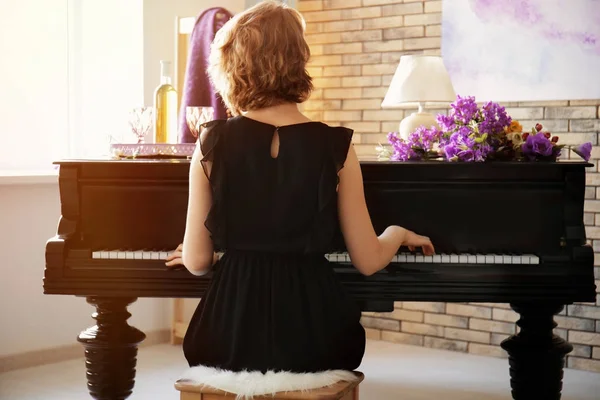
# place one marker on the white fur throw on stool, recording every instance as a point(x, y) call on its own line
point(254, 383)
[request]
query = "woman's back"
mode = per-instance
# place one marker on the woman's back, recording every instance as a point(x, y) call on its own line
point(284, 201)
point(274, 303)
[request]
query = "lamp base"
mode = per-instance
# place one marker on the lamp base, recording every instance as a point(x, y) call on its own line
point(409, 124)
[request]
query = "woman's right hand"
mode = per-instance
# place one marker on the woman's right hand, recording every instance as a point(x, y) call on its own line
point(413, 240)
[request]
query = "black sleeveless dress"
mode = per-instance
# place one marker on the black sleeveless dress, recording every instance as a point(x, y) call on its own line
point(274, 303)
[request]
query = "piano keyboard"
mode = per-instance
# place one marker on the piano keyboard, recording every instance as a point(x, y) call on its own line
point(404, 258)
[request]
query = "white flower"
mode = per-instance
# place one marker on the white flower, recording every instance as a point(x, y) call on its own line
point(383, 153)
point(516, 138)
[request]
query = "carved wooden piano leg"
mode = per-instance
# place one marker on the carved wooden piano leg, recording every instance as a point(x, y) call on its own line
point(536, 355)
point(111, 349)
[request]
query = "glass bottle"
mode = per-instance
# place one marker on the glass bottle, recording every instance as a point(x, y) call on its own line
point(165, 107)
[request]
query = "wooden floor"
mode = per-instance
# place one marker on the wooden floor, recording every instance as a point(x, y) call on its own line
point(392, 372)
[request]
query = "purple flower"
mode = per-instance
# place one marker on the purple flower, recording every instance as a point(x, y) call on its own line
point(466, 155)
point(451, 151)
point(494, 120)
point(584, 151)
point(537, 144)
point(464, 145)
point(464, 109)
point(446, 122)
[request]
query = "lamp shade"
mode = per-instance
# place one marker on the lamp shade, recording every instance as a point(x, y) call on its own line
point(419, 79)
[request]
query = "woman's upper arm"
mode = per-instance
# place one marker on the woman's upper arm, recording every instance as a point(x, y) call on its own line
point(197, 243)
point(355, 222)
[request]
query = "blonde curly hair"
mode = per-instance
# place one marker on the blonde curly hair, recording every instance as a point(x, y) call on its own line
point(258, 58)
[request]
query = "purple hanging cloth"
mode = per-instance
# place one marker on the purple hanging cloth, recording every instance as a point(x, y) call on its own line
point(197, 89)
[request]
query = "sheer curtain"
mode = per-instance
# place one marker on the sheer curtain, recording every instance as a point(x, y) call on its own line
point(106, 47)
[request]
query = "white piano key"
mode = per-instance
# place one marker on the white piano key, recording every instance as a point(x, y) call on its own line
point(454, 258)
point(462, 258)
point(96, 254)
point(138, 254)
point(410, 258)
point(154, 255)
point(534, 259)
point(516, 260)
point(104, 255)
point(445, 259)
point(490, 259)
point(113, 255)
point(507, 259)
point(498, 259)
point(428, 259)
point(419, 258)
point(437, 259)
point(163, 255)
point(472, 259)
point(480, 258)
point(129, 255)
point(402, 258)
point(121, 255)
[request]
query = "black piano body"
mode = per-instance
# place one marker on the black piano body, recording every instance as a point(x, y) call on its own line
point(475, 214)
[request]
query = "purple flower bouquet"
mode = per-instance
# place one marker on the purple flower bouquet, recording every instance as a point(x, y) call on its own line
point(470, 133)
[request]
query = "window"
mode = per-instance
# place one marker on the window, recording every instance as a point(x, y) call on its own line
point(72, 70)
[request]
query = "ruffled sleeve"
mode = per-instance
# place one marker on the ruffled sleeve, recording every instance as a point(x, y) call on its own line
point(213, 140)
point(210, 138)
point(337, 140)
point(341, 138)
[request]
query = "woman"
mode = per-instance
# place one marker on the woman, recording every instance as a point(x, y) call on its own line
point(269, 187)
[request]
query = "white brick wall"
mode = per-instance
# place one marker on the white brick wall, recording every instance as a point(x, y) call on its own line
point(356, 47)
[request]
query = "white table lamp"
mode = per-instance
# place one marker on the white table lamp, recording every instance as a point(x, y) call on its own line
point(419, 81)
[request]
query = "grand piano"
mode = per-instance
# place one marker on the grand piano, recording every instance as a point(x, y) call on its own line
point(504, 232)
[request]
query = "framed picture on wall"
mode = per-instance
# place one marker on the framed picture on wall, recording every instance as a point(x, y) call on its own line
point(535, 50)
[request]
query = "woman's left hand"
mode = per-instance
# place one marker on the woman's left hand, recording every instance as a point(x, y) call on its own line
point(175, 258)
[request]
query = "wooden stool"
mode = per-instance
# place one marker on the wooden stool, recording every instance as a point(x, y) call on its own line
point(337, 391)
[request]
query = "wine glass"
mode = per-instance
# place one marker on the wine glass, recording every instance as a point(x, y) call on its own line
point(140, 121)
point(196, 116)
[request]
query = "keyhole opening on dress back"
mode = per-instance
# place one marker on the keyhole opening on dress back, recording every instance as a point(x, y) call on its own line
point(275, 144)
